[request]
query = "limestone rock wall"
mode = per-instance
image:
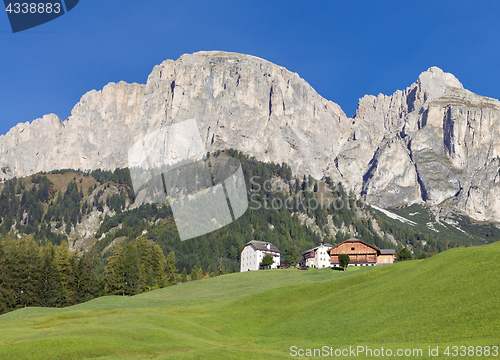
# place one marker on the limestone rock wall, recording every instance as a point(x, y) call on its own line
point(434, 142)
point(450, 138)
point(239, 101)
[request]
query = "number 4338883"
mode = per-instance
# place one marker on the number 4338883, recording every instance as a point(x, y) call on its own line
point(33, 8)
point(471, 351)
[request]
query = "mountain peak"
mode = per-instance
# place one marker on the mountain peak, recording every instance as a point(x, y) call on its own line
point(435, 79)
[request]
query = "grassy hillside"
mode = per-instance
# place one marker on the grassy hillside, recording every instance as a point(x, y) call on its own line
point(449, 299)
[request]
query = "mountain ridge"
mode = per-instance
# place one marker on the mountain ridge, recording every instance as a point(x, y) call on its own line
point(432, 143)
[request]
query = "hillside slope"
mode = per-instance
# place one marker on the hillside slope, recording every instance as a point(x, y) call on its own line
point(447, 300)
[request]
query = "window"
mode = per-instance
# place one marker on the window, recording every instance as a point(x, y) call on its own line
point(352, 249)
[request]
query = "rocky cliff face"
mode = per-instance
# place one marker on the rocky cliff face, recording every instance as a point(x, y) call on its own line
point(434, 142)
point(239, 101)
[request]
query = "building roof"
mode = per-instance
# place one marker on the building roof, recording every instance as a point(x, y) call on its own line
point(380, 251)
point(262, 246)
point(357, 240)
point(317, 247)
point(387, 251)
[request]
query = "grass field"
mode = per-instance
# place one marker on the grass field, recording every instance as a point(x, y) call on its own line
point(449, 299)
point(61, 181)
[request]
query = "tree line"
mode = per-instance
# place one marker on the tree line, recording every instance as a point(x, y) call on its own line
point(33, 275)
point(53, 276)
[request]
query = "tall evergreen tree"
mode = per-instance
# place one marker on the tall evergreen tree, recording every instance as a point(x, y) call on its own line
point(65, 262)
point(114, 272)
point(86, 280)
point(221, 270)
point(159, 262)
point(184, 275)
point(145, 250)
point(6, 295)
point(50, 290)
point(132, 279)
point(195, 273)
point(22, 267)
point(171, 268)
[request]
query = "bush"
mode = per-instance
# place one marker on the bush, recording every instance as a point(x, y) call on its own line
point(404, 254)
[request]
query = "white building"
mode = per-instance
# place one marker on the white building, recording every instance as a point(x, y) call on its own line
point(253, 252)
point(317, 257)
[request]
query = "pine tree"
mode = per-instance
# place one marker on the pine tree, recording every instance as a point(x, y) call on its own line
point(220, 268)
point(86, 281)
point(145, 250)
point(24, 261)
point(64, 262)
point(159, 262)
point(199, 274)
point(6, 295)
point(123, 273)
point(184, 275)
point(171, 268)
point(132, 278)
point(193, 275)
point(49, 286)
point(114, 272)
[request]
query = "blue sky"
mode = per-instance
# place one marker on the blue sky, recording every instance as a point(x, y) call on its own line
point(344, 49)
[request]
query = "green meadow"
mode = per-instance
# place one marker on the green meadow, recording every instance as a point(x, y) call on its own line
point(450, 299)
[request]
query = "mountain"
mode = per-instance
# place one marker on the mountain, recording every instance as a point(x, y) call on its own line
point(434, 143)
point(239, 101)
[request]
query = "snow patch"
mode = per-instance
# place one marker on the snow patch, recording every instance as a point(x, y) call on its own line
point(394, 216)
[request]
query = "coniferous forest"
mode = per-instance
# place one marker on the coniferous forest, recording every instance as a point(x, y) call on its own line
point(133, 249)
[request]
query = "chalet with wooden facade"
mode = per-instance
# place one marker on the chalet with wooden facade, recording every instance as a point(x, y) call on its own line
point(361, 254)
point(317, 257)
point(252, 253)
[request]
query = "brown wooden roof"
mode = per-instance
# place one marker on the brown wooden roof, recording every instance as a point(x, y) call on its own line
point(351, 240)
point(379, 251)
